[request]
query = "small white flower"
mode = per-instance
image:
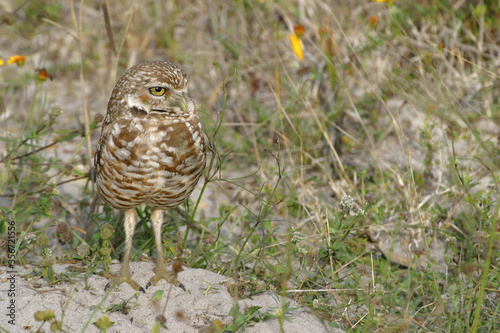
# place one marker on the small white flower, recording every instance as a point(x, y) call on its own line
point(296, 237)
point(278, 313)
point(316, 303)
point(451, 240)
point(346, 204)
point(55, 111)
point(29, 238)
point(47, 253)
point(378, 288)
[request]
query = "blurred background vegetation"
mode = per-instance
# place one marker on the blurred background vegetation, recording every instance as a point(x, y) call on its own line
point(355, 147)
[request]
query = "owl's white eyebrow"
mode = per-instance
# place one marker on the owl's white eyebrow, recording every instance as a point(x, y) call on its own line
point(157, 84)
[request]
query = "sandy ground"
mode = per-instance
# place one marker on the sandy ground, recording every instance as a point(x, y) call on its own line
point(206, 301)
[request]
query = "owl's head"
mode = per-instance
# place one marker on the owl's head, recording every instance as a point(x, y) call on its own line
point(155, 87)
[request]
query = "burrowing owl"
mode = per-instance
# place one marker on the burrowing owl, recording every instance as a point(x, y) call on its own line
point(151, 151)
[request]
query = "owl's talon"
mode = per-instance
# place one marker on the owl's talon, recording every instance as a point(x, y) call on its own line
point(169, 276)
point(121, 279)
point(178, 284)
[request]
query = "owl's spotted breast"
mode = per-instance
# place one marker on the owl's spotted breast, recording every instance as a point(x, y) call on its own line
point(159, 166)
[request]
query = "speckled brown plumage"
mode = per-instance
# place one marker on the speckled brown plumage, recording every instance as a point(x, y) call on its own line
point(151, 150)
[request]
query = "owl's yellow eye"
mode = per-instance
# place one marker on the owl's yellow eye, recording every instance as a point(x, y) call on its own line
point(157, 91)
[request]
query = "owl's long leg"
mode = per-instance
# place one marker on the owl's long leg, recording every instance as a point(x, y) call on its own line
point(161, 271)
point(129, 225)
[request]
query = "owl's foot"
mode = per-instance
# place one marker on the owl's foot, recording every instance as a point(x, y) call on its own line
point(117, 280)
point(161, 272)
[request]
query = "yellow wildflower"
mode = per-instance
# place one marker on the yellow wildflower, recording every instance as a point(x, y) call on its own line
point(296, 46)
point(2, 62)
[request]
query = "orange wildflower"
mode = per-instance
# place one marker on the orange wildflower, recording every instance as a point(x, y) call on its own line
point(18, 59)
point(43, 75)
point(299, 30)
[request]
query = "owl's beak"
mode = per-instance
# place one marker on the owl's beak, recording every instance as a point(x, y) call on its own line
point(181, 101)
